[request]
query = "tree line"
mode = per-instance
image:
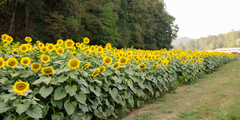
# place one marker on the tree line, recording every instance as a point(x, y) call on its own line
point(143, 24)
point(211, 42)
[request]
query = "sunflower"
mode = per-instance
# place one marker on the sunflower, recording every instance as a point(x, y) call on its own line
point(9, 39)
point(60, 42)
point(28, 39)
point(86, 40)
point(183, 61)
point(142, 66)
point(169, 58)
point(108, 48)
point(107, 60)
point(127, 82)
point(196, 70)
point(82, 46)
point(95, 73)
point(29, 46)
point(59, 50)
point(189, 57)
point(2, 62)
point(20, 87)
point(100, 49)
point(123, 61)
point(165, 63)
point(102, 69)
point(50, 47)
point(92, 48)
point(69, 43)
point(45, 58)
point(12, 62)
point(88, 51)
point(159, 62)
point(116, 65)
point(73, 63)
point(47, 70)
point(4, 37)
point(25, 61)
point(86, 65)
point(40, 45)
point(43, 49)
point(35, 66)
point(78, 44)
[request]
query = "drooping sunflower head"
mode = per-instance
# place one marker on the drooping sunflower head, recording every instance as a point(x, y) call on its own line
point(50, 47)
point(73, 63)
point(20, 87)
point(25, 61)
point(4, 37)
point(183, 61)
point(23, 48)
point(43, 49)
point(86, 40)
point(45, 58)
point(159, 62)
point(60, 42)
point(116, 65)
point(28, 39)
point(35, 66)
point(47, 70)
point(2, 62)
point(60, 50)
point(12, 62)
point(95, 73)
point(107, 60)
point(69, 43)
point(123, 61)
point(86, 65)
point(102, 68)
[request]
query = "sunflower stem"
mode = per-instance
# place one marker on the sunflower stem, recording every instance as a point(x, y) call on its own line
point(20, 101)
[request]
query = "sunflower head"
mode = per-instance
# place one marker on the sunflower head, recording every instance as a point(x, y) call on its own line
point(9, 39)
point(69, 43)
point(86, 40)
point(159, 62)
point(116, 65)
point(23, 48)
point(95, 73)
point(102, 69)
point(2, 62)
point(78, 44)
point(59, 50)
point(4, 37)
point(47, 70)
point(20, 87)
point(100, 49)
point(43, 49)
point(12, 62)
point(165, 63)
point(107, 60)
point(40, 45)
point(59, 42)
point(28, 39)
point(92, 48)
point(123, 61)
point(82, 46)
point(142, 66)
point(45, 58)
point(183, 61)
point(50, 47)
point(73, 63)
point(25, 61)
point(196, 70)
point(127, 82)
point(35, 66)
point(86, 65)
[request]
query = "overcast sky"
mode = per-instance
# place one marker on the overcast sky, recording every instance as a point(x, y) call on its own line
point(200, 18)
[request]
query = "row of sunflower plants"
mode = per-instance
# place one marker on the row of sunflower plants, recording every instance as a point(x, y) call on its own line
point(69, 80)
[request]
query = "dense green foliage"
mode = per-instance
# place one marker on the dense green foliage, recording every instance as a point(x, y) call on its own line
point(211, 42)
point(143, 24)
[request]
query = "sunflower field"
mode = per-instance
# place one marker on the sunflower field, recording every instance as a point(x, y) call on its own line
point(69, 80)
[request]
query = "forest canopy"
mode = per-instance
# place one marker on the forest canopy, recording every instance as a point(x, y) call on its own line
point(143, 24)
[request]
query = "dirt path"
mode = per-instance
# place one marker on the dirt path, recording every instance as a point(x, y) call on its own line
point(214, 96)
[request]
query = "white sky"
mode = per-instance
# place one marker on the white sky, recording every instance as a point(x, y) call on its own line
point(200, 18)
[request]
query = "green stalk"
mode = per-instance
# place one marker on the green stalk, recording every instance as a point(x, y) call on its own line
point(20, 101)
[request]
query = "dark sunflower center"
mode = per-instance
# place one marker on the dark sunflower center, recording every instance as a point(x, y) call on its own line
point(25, 61)
point(47, 70)
point(74, 63)
point(21, 86)
point(35, 66)
point(45, 58)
